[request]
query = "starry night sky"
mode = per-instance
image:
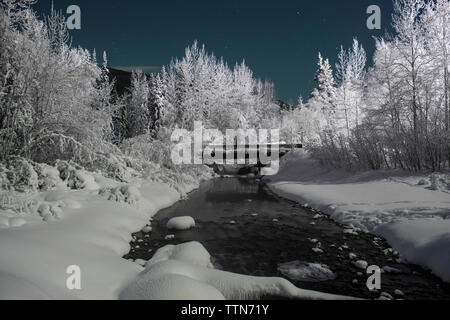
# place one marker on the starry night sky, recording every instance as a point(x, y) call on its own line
point(278, 39)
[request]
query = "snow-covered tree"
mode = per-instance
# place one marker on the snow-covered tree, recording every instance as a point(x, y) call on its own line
point(437, 18)
point(321, 107)
point(139, 112)
point(397, 115)
point(49, 93)
point(201, 87)
point(350, 72)
point(322, 97)
point(324, 92)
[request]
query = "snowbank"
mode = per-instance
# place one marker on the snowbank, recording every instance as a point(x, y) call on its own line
point(365, 201)
point(423, 242)
point(53, 218)
point(190, 252)
point(170, 276)
point(13, 288)
point(67, 227)
point(181, 223)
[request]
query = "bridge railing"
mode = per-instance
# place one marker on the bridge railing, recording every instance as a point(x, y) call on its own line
point(243, 153)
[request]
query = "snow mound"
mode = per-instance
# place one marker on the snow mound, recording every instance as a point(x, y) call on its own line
point(361, 264)
point(147, 229)
point(13, 288)
point(171, 287)
point(190, 252)
point(167, 279)
point(17, 222)
point(11, 222)
point(140, 262)
point(181, 223)
point(317, 250)
point(424, 242)
point(50, 212)
point(305, 271)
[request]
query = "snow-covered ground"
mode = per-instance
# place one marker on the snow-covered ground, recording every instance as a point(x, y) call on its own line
point(55, 221)
point(77, 228)
point(84, 222)
point(411, 211)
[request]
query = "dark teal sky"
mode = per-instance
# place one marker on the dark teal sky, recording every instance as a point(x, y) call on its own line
point(278, 39)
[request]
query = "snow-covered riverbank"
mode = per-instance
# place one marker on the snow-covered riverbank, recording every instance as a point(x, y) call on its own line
point(411, 212)
point(90, 229)
point(91, 226)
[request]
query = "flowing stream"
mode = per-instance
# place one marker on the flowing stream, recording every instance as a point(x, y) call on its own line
point(249, 230)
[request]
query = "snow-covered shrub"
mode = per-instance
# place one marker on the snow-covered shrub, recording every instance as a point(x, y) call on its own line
point(181, 178)
point(435, 185)
point(423, 182)
point(49, 212)
point(81, 179)
point(19, 175)
point(48, 177)
point(116, 166)
point(4, 181)
point(125, 194)
point(152, 159)
point(76, 177)
point(57, 147)
point(148, 150)
point(65, 168)
point(16, 202)
point(439, 182)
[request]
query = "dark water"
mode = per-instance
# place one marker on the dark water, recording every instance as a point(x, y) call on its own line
point(248, 230)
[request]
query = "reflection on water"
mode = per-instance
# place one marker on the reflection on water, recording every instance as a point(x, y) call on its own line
point(249, 231)
point(222, 198)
